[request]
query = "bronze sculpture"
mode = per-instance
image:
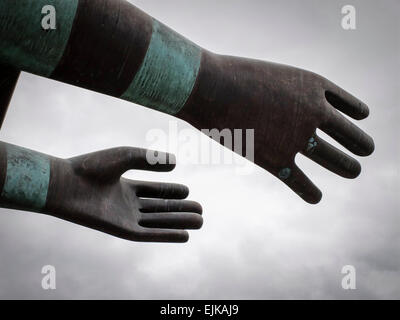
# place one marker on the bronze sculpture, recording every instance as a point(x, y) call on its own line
point(112, 47)
point(150, 64)
point(89, 190)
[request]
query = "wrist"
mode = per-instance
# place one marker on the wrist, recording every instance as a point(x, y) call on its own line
point(207, 100)
point(25, 178)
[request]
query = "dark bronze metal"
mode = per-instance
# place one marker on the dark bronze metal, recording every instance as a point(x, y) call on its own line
point(285, 106)
point(8, 80)
point(90, 191)
point(105, 49)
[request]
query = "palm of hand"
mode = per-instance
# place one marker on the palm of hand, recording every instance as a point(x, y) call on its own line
point(94, 194)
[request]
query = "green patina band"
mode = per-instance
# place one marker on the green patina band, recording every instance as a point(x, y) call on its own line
point(27, 179)
point(168, 73)
point(24, 43)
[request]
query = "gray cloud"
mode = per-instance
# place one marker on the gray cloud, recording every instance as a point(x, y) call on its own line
point(259, 240)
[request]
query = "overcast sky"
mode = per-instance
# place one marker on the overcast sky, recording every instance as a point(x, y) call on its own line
point(259, 240)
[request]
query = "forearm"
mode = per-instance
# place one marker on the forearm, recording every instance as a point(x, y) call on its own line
point(8, 80)
point(108, 46)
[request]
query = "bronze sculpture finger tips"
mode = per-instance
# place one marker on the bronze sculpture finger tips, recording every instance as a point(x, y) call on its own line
point(160, 190)
point(296, 180)
point(331, 158)
point(348, 134)
point(171, 220)
point(144, 234)
point(346, 102)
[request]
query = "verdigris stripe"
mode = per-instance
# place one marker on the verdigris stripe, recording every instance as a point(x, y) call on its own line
point(168, 73)
point(24, 43)
point(27, 179)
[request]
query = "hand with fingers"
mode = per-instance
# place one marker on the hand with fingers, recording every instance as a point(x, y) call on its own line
point(167, 72)
point(89, 190)
point(285, 106)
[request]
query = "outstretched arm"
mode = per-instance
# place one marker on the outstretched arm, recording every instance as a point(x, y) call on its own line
point(89, 190)
point(112, 47)
point(8, 80)
point(108, 46)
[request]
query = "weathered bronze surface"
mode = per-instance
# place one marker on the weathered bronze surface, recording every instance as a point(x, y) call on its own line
point(285, 106)
point(105, 49)
point(89, 190)
point(109, 44)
